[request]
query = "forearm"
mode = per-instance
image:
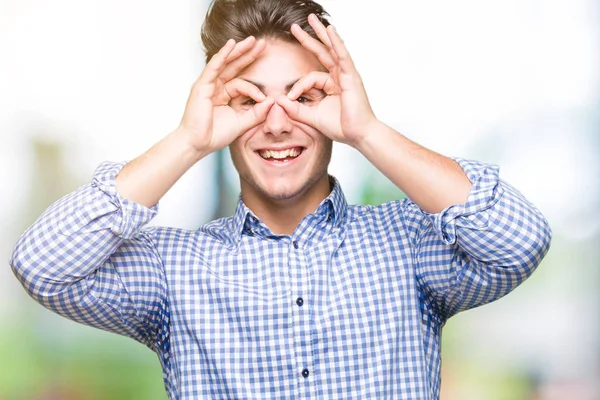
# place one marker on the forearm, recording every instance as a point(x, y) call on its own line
point(432, 181)
point(146, 179)
point(208, 124)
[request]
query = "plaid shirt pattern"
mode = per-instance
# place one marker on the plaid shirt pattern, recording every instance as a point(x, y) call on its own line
point(350, 306)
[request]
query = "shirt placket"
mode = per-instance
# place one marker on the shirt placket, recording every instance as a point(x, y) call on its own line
point(301, 311)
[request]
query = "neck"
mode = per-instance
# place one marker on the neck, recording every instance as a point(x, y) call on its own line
point(282, 216)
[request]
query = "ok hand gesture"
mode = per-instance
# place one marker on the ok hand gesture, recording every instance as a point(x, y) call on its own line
point(208, 119)
point(345, 114)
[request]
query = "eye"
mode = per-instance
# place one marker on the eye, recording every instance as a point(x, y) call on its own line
point(303, 99)
point(249, 102)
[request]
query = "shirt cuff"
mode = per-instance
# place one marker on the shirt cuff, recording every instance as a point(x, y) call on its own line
point(128, 217)
point(485, 192)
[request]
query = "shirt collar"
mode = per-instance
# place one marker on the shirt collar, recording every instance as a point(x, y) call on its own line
point(334, 205)
point(333, 208)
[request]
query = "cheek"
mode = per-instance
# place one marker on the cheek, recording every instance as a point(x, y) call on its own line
point(242, 142)
point(320, 140)
point(240, 148)
point(236, 152)
point(307, 129)
point(245, 138)
point(325, 149)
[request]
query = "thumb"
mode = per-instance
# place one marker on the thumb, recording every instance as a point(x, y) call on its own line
point(296, 111)
point(257, 114)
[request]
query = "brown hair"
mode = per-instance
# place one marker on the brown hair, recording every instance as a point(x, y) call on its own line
point(238, 19)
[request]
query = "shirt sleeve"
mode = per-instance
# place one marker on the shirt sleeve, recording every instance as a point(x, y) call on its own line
point(87, 259)
point(474, 253)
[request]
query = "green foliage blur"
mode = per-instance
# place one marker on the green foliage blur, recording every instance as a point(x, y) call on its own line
point(86, 365)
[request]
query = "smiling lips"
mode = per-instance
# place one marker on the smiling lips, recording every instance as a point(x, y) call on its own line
point(280, 155)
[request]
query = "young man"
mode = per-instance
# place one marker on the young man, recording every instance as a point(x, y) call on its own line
point(297, 295)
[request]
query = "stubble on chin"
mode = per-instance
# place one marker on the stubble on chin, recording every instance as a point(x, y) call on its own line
point(282, 191)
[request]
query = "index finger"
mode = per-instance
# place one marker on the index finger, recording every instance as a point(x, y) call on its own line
point(229, 52)
point(342, 53)
point(233, 67)
point(319, 29)
point(241, 48)
point(314, 46)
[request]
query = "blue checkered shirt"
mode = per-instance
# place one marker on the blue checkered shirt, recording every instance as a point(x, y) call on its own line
point(350, 306)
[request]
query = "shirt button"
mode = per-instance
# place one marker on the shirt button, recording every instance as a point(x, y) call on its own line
point(305, 373)
point(295, 244)
point(299, 301)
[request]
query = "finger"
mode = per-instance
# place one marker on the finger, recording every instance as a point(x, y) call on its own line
point(344, 60)
point(239, 87)
point(237, 65)
point(250, 118)
point(229, 52)
point(297, 111)
point(314, 46)
point(319, 29)
point(217, 62)
point(240, 48)
point(315, 79)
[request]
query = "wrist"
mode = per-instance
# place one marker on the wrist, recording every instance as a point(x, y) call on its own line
point(370, 134)
point(188, 143)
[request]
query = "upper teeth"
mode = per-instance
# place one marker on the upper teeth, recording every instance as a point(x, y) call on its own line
point(279, 155)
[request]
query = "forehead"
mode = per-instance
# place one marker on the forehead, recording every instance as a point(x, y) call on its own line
point(280, 64)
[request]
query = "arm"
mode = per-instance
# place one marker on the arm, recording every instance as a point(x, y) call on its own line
point(83, 259)
point(87, 258)
point(433, 181)
point(475, 237)
point(208, 124)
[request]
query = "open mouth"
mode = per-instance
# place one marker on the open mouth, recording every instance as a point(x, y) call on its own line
point(281, 156)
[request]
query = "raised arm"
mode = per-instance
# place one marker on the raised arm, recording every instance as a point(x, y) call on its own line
point(87, 257)
point(476, 238)
point(85, 260)
point(431, 180)
point(208, 124)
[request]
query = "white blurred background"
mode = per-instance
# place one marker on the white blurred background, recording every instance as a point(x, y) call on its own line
point(514, 83)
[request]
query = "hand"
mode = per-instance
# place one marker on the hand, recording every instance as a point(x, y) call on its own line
point(208, 120)
point(345, 114)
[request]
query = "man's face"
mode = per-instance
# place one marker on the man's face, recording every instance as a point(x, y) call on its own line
point(281, 159)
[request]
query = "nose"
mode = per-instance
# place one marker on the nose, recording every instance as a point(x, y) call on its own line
point(277, 121)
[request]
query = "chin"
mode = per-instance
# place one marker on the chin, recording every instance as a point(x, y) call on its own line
point(278, 191)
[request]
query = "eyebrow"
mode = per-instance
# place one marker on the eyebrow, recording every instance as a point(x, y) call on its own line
point(288, 87)
point(261, 87)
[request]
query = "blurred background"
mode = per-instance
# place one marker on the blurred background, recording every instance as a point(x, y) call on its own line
point(515, 83)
